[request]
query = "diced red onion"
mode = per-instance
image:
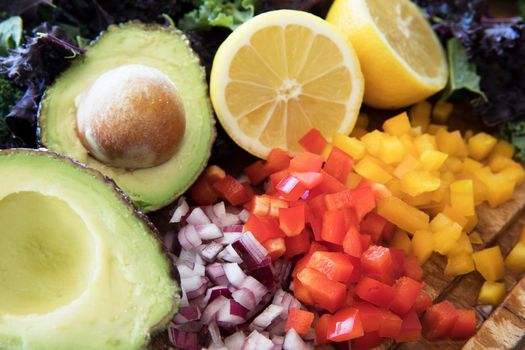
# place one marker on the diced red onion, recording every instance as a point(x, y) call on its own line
point(212, 309)
point(233, 228)
point(245, 297)
point(292, 341)
point(234, 274)
point(230, 237)
point(209, 251)
point(287, 184)
point(184, 271)
point(305, 195)
point(208, 231)
point(189, 238)
point(235, 341)
point(210, 214)
point(216, 274)
point(264, 274)
point(219, 209)
point(484, 310)
point(215, 334)
point(258, 289)
point(197, 217)
point(194, 286)
point(278, 342)
point(283, 270)
point(250, 250)
point(201, 302)
point(187, 314)
point(244, 215)
point(265, 318)
point(230, 255)
point(183, 299)
point(257, 341)
point(182, 339)
point(228, 220)
point(182, 209)
point(199, 269)
point(277, 327)
point(187, 255)
point(192, 327)
point(215, 292)
point(231, 314)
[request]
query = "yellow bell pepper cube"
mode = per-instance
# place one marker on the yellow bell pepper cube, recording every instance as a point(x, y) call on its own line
point(432, 160)
point(451, 143)
point(480, 145)
point(503, 148)
point(349, 145)
point(459, 264)
point(408, 144)
point(475, 238)
point(480, 191)
point(462, 197)
point(515, 261)
point(489, 263)
point(353, 180)
point(362, 121)
point(463, 245)
point(492, 293)
point(499, 188)
point(394, 186)
point(420, 115)
point(402, 215)
point(398, 125)
point(455, 215)
point(513, 173)
point(371, 169)
point(422, 245)
point(408, 164)
point(472, 222)
point(372, 141)
point(471, 166)
point(358, 132)
point(468, 134)
point(425, 142)
point(498, 162)
point(392, 150)
point(446, 239)
point(442, 111)
point(433, 129)
point(419, 181)
point(401, 241)
point(326, 151)
point(422, 200)
point(454, 164)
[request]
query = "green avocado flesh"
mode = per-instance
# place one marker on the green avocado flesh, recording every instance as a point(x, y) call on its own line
point(159, 47)
point(80, 268)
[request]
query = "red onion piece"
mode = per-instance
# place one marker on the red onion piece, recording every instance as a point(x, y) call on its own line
point(209, 251)
point(186, 256)
point(228, 220)
point(183, 339)
point(234, 274)
point(278, 342)
point(230, 255)
point(212, 309)
point(189, 238)
point(287, 184)
point(230, 314)
point(183, 299)
point(194, 286)
point(230, 237)
point(235, 341)
point(244, 215)
point(305, 195)
point(187, 314)
point(264, 274)
point(216, 274)
point(250, 250)
point(257, 341)
point(258, 289)
point(265, 318)
point(182, 209)
point(245, 297)
point(208, 231)
point(233, 228)
point(219, 209)
point(198, 217)
point(215, 334)
point(293, 341)
point(184, 271)
point(277, 327)
point(214, 292)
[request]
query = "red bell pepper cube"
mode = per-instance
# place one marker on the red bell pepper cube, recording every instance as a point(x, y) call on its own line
point(338, 200)
point(412, 268)
point(306, 161)
point(275, 205)
point(407, 291)
point(276, 177)
point(410, 328)
point(277, 160)
point(375, 292)
point(364, 201)
point(339, 164)
point(299, 320)
point(290, 188)
point(257, 172)
point(352, 244)
point(297, 244)
point(321, 328)
point(303, 262)
point(263, 228)
point(334, 227)
point(336, 266)
point(398, 257)
point(313, 141)
point(276, 247)
point(345, 325)
point(309, 179)
point(203, 192)
point(317, 205)
point(368, 341)
point(232, 190)
point(329, 295)
point(390, 324)
point(423, 302)
point(388, 231)
point(329, 184)
point(377, 262)
point(357, 272)
point(301, 293)
point(291, 220)
point(439, 320)
point(465, 325)
point(370, 316)
point(260, 205)
point(365, 241)
point(373, 224)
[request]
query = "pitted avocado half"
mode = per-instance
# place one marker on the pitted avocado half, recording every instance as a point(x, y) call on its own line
point(80, 267)
point(160, 49)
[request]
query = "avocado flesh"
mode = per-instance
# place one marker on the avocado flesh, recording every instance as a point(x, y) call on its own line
point(158, 47)
point(80, 267)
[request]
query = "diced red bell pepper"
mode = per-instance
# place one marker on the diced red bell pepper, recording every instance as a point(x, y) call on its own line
point(345, 325)
point(407, 291)
point(398, 257)
point(375, 292)
point(423, 302)
point(317, 247)
point(313, 141)
point(388, 231)
point(377, 262)
point(357, 273)
point(263, 228)
point(203, 192)
point(368, 341)
point(260, 205)
point(317, 205)
point(290, 188)
point(465, 325)
point(329, 295)
point(390, 324)
point(329, 185)
point(439, 320)
point(338, 200)
point(365, 241)
point(321, 328)
point(351, 218)
point(301, 293)
point(373, 224)
point(334, 228)
point(257, 172)
point(339, 164)
point(300, 320)
point(316, 223)
point(276, 177)
point(309, 179)
point(364, 201)
point(352, 244)
point(306, 161)
point(276, 247)
point(410, 328)
point(297, 244)
point(370, 316)
point(275, 205)
point(350, 300)
point(291, 220)
point(412, 268)
point(277, 160)
point(232, 190)
point(336, 266)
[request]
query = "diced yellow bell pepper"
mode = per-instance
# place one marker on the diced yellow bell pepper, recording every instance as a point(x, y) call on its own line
point(475, 238)
point(425, 142)
point(372, 141)
point(480, 145)
point(358, 132)
point(489, 262)
point(499, 188)
point(468, 134)
point(492, 293)
point(462, 197)
point(455, 215)
point(522, 235)
point(408, 164)
point(419, 181)
point(463, 245)
point(401, 241)
point(362, 121)
point(471, 166)
point(371, 169)
point(451, 143)
point(446, 233)
point(503, 148)
point(454, 164)
point(441, 195)
point(498, 162)
point(353, 180)
point(408, 144)
point(420, 115)
point(513, 173)
point(349, 145)
point(422, 200)
point(515, 261)
point(398, 125)
point(432, 160)
point(394, 186)
point(442, 111)
point(433, 129)
point(326, 151)
point(472, 222)
point(422, 245)
point(402, 215)
point(392, 150)
point(459, 264)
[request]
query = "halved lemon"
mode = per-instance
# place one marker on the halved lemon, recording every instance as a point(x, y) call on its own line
point(401, 57)
point(280, 74)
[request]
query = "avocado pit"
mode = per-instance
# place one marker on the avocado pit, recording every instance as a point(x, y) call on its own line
point(131, 117)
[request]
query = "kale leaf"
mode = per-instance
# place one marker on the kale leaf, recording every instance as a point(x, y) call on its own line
point(515, 133)
point(218, 13)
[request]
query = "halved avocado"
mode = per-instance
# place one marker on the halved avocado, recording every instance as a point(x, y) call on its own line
point(154, 46)
point(80, 267)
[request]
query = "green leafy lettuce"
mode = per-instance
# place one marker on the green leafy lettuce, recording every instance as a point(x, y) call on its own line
point(218, 13)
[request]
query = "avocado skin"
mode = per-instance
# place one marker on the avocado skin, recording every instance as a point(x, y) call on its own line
point(129, 206)
point(57, 135)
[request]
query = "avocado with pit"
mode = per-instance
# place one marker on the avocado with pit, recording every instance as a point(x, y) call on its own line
point(80, 267)
point(135, 106)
